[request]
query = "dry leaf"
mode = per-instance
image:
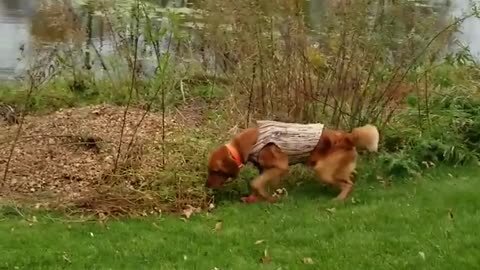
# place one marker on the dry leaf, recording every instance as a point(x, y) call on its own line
point(188, 212)
point(386, 183)
point(265, 258)
point(422, 255)
point(102, 217)
point(331, 210)
point(258, 242)
point(450, 214)
point(279, 193)
point(218, 226)
point(64, 256)
point(307, 260)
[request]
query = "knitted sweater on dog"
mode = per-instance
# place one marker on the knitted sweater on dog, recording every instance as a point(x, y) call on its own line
point(296, 140)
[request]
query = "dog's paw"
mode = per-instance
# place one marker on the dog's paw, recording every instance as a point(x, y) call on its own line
point(250, 199)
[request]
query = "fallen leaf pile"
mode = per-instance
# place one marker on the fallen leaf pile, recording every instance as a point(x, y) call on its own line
point(66, 153)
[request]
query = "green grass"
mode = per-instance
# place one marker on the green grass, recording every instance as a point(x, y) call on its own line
point(58, 93)
point(404, 226)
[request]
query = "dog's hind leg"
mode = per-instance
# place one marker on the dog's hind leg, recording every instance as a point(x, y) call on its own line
point(335, 176)
point(324, 173)
point(346, 186)
point(344, 179)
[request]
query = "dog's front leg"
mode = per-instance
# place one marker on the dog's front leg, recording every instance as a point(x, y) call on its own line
point(253, 196)
point(259, 185)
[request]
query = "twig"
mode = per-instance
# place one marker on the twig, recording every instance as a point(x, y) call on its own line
point(147, 110)
point(250, 98)
point(182, 91)
point(19, 130)
point(132, 86)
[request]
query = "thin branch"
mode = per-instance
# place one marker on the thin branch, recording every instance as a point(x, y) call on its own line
point(19, 130)
point(132, 85)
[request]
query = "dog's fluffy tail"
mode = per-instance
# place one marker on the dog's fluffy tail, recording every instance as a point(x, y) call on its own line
point(366, 137)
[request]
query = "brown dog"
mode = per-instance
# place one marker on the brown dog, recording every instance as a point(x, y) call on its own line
point(273, 146)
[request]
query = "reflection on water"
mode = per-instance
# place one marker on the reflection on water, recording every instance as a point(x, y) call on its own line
point(14, 30)
point(23, 22)
point(44, 23)
point(469, 28)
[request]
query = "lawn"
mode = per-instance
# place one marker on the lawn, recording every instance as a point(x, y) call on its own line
point(428, 223)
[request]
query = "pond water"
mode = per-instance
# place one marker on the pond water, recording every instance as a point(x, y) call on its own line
point(22, 22)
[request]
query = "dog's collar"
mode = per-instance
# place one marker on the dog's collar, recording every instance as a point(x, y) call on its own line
point(234, 153)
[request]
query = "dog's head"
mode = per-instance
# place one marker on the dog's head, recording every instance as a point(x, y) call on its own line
point(221, 167)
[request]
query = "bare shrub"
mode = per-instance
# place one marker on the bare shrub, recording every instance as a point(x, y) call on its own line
point(355, 69)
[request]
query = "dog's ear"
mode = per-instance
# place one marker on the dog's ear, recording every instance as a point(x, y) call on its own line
point(215, 160)
point(225, 163)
